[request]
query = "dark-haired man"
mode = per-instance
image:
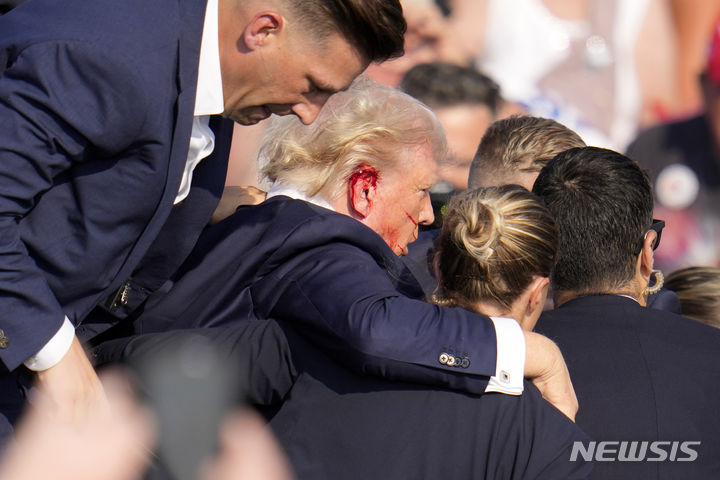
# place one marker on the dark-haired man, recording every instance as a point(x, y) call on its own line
point(648, 380)
point(466, 102)
point(113, 149)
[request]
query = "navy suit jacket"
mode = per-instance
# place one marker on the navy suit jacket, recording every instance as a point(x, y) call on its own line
point(336, 424)
point(96, 107)
point(641, 374)
point(337, 281)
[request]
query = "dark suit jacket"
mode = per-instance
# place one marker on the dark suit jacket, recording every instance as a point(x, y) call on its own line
point(419, 260)
point(641, 374)
point(335, 424)
point(337, 281)
point(96, 107)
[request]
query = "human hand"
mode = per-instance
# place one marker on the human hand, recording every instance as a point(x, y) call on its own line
point(248, 451)
point(109, 442)
point(545, 367)
point(234, 197)
point(71, 387)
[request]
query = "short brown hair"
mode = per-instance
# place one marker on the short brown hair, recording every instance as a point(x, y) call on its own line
point(442, 84)
point(376, 28)
point(698, 289)
point(493, 241)
point(520, 142)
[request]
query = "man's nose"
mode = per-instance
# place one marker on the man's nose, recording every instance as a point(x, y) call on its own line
point(308, 111)
point(426, 214)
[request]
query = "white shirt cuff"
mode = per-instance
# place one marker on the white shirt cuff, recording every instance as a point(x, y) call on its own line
point(510, 365)
point(54, 350)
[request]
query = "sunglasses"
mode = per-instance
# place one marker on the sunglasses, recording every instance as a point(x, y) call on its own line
point(657, 227)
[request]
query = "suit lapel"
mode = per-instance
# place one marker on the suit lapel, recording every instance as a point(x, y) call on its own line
point(190, 26)
point(192, 14)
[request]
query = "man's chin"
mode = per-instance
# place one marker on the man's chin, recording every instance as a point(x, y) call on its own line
point(253, 117)
point(247, 121)
point(400, 251)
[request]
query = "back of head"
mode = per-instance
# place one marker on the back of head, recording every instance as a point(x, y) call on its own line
point(376, 28)
point(602, 203)
point(367, 125)
point(516, 145)
point(440, 85)
point(493, 241)
point(698, 289)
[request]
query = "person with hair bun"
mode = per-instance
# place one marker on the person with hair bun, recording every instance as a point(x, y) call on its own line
point(495, 253)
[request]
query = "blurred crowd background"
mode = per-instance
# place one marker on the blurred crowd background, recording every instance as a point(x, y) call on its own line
point(608, 69)
point(638, 76)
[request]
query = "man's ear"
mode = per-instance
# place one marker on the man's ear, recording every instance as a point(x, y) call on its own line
point(363, 190)
point(647, 256)
point(263, 29)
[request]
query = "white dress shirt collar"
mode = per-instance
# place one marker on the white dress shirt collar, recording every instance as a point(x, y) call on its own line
point(209, 98)
point(292, 192)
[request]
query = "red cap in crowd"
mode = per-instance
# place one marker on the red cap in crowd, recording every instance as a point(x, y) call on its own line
point(713, 65)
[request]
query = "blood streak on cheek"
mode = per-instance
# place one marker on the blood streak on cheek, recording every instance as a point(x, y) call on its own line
point(414, 223)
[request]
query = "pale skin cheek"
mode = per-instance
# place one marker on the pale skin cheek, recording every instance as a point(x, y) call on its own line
point(394, 237)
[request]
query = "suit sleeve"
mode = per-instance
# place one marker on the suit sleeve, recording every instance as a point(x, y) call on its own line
point(60, 104)
point(345, 303)
point(251, 360)
point(548, 439)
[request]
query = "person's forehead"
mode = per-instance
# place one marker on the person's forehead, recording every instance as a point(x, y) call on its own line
point(416, 166)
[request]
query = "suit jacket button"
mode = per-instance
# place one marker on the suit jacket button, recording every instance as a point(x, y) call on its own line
point(443, 359)
point(465, 362)
point(4, 341)
point(451, 361)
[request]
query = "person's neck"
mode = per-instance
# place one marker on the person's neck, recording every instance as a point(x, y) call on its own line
point(562, 297)
point(492, 309)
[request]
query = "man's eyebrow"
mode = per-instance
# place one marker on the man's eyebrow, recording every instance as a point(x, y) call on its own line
point(433, 181)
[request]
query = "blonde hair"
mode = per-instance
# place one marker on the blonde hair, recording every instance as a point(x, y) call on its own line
point(493, 241)
point(520, 142)
point(698, 289)
point(367, 125)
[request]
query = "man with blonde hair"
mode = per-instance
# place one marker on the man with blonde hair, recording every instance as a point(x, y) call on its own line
point(348, 194)
point(321, 256)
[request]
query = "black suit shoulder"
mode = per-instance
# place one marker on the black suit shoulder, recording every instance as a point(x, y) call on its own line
point(641, 374)
point(337, 424)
